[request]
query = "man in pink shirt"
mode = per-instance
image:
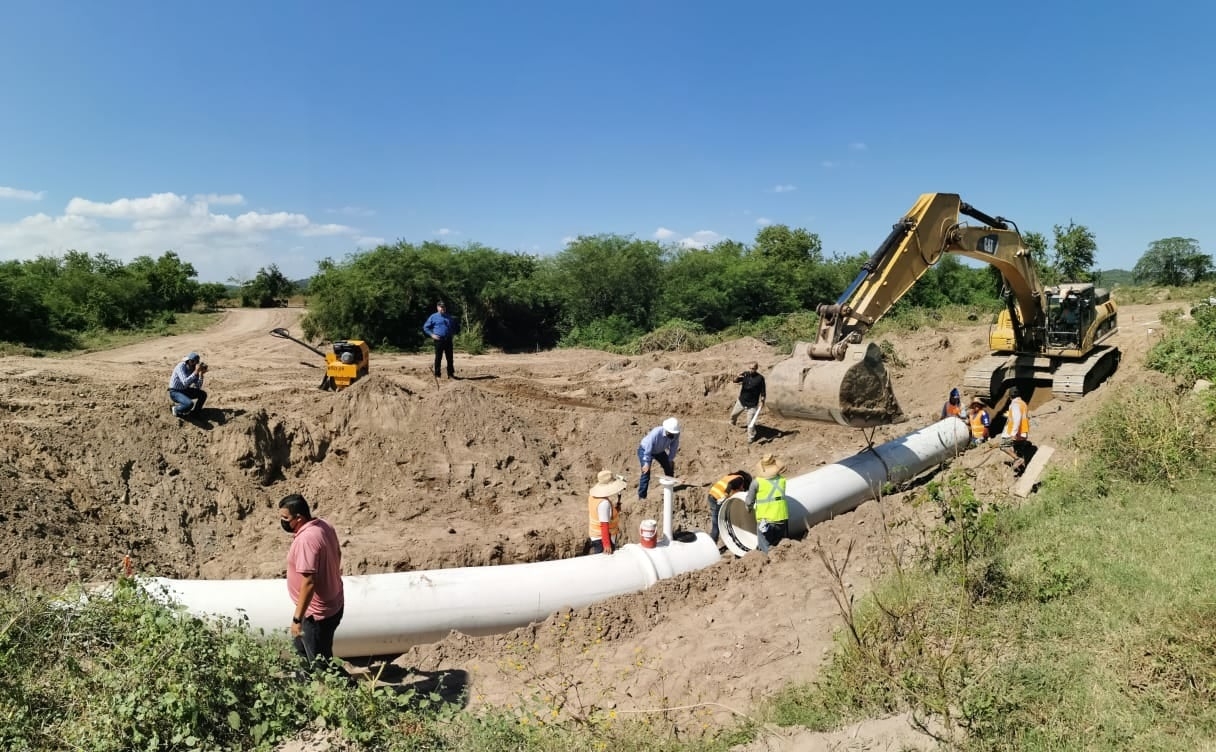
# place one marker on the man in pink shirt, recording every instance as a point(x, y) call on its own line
point(314, 579)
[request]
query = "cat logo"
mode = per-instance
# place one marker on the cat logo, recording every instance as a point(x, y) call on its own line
point(987, 244)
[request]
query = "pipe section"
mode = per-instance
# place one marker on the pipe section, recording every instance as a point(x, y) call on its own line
point(388, 613)
point(669, 486)
point(842, 486)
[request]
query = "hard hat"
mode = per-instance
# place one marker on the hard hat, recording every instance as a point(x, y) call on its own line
point(671, 425)
point(954, 393)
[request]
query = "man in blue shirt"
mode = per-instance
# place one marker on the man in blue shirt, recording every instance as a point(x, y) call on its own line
point(441, 328)
point(660, 445)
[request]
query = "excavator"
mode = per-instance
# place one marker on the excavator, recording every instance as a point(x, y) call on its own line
point(1044, 335)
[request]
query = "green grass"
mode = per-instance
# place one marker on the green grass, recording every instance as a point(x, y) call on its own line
point(97, 340)
point(1097, 630)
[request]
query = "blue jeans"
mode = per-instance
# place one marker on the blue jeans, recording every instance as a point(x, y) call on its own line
point(644, 479)
point(772, 535)
point(185, 399)
point(714, 506)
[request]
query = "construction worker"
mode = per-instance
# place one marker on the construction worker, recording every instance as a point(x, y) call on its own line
point(954, 406)
point(727, 485)
point(766, 499)
point(751, 398)
point(1015, 438)
point(977, 419)
point(603, 524)
point(659, 445)
point(441, 328)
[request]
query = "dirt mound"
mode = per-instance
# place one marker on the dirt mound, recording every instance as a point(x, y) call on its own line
point(491, 468)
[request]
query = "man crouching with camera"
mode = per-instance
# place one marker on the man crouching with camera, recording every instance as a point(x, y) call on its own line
point(186, 386)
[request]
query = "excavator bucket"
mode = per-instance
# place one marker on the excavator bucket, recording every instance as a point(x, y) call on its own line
point(854, 392)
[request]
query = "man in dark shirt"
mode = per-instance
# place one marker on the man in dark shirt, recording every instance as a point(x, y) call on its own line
point(751, 398)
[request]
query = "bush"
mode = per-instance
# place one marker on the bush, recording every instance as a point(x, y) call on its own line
point(1151, 435)
point(674, 336)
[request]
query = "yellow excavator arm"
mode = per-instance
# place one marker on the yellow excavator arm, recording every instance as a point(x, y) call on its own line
point(915, 244)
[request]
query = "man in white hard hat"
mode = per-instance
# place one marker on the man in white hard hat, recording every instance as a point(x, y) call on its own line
point(660, 445)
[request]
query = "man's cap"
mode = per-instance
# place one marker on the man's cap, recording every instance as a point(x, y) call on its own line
point(1015, 392)
point(191, 356)
point(440, 303)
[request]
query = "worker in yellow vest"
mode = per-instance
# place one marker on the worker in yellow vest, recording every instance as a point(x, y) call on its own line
point(727, 485)
point(766, 499)
point(603, 523)
point(1015, 438)
point(978, 420)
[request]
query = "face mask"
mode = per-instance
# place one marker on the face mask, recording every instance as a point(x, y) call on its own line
point(286, 525)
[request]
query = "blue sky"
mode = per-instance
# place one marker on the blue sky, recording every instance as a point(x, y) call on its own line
point(245, 134)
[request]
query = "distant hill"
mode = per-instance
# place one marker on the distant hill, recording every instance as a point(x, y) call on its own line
point(1116, 278)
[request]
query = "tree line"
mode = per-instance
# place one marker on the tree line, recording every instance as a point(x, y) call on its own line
point(599, 291)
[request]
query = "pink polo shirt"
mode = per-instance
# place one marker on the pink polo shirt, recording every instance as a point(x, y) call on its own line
point(315, 550)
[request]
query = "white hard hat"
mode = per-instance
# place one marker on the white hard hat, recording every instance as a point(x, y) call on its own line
point(671, 425)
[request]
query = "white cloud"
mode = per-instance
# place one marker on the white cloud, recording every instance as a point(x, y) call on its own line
point(351, 211)
point(857, 146)
point(20, 194)
point(150, 207)
point(444, 232)
point(220, 199)
point(828, 164)
point(369, 240)
point(219, 245)
point(784, 188)
point(700, 239)
point(763, 221)
point(664, 234)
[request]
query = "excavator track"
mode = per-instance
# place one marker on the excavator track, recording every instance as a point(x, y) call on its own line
point(1074, 379)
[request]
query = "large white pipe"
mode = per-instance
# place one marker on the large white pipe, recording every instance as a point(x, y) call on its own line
point(839, 487)
point(388, 613)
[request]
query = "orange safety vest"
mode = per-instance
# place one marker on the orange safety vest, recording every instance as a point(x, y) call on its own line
point(593, 518)
point(1023, 427)
point(978, 429)
point(952, 410)
point(718, 490)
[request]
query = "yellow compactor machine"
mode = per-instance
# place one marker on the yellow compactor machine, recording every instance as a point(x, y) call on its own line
point(1044, 335)
point(344, 366)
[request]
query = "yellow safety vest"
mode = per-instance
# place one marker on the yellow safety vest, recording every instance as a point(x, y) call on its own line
point(718, 490)
point(770, 499)
point(978, 429)
point(593, 516)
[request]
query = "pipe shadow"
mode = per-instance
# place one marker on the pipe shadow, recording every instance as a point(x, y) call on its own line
point(449, 686)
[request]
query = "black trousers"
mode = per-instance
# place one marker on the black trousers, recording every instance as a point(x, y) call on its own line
point(316, 641)
point(443, 347)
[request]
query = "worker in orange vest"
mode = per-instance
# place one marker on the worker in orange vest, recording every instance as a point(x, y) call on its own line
point(603, 514)
point(953, 406)
point(1015, 439)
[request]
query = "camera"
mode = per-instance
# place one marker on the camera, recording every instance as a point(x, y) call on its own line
point(202, 367)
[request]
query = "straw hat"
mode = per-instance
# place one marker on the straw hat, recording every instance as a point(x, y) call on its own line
point(768, 466)
point(607, 484)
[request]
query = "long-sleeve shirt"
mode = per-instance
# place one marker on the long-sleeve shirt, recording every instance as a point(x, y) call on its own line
point(656, 442)
point(184, 377)
point(441, 325)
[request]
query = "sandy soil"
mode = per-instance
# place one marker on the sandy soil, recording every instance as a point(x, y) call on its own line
point(489, 469)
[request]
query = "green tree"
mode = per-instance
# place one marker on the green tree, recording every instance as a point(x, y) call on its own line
point(211, 293)
point(598, 276)
point(779, 242)
point(1076, 248)
point(1173, 261)
point(266, 288)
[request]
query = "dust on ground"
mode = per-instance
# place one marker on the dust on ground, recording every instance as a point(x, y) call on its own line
point(493, 468)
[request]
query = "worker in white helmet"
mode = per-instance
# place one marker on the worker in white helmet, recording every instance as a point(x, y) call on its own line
point(660, 445)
